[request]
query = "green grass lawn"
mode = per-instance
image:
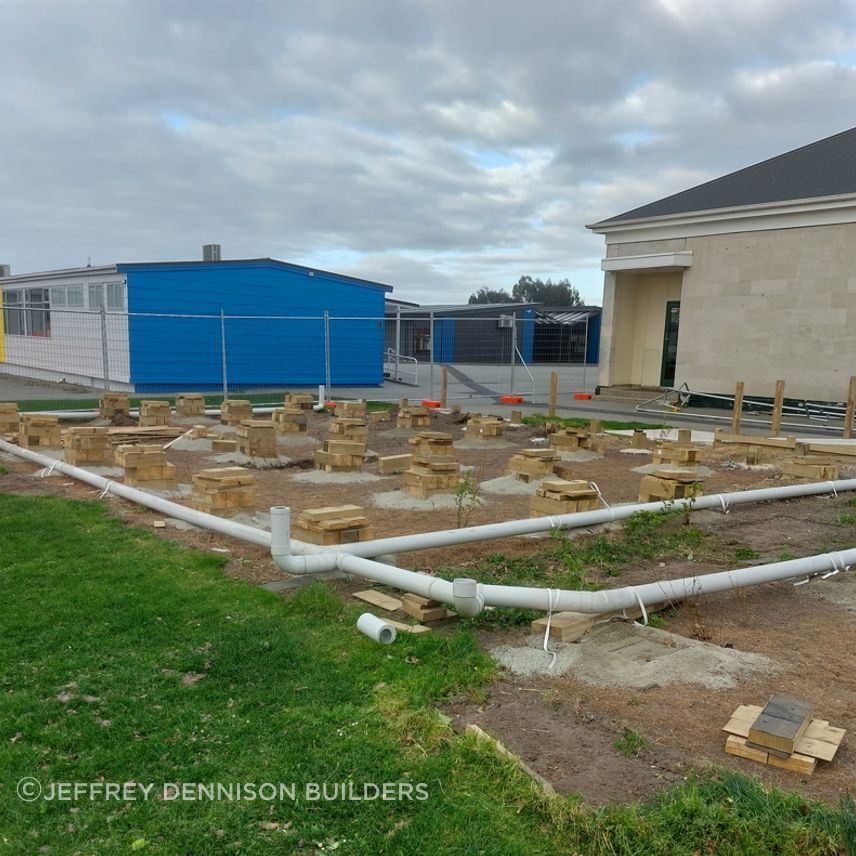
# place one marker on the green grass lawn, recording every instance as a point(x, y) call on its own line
point(125, 658)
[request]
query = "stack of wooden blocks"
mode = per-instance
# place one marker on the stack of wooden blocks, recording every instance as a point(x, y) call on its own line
point(86, 446)
point(332, 525)
point(351, 409)
point(677, 454)
point(114, 404)
point(424, 609)
point(36, 430)
point(817, 469)
point(345, 447)
point(434, 468)
point(154, 413)
point(670, 484)
point(189, 404)
point(146, 466)
point(8, 418)
point(376, 416)
point(257, 438)
point(639, 440)
point(303, 400)
point(569, 439)
point(234, 410)
point(558, 496)
point(531, 464)
point(391, 464)
point(290, 419)
point(782, 734)
point(480, 427)
point(413, 417)
point(224, 491)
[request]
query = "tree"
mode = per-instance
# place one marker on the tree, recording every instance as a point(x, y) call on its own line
point(549, 293)
point(490, 295)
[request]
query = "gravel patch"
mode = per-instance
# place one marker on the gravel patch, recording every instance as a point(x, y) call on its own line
point(647, 469)
point(320, 477)
point(404, 501)
point(510, 486)
point(191, 444)
point(625, 654)
point(635, 451)
point(296, 440)
point(180, 490)
point(483, 444)
point(240, 460)
point(581, 457)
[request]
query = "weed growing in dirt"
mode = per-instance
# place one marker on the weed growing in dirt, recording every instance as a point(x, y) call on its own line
point(847, 519)
point(743, 553)
point(631, 743)
point(4, 471)
point(785, 555)
point(466, 497)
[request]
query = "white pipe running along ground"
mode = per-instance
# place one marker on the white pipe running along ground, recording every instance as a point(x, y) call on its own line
point(466, 595)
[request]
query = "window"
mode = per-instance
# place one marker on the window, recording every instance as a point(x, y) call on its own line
point(115, 295)
point(58, 296)
point(27, 312)
point(96, 297)
point(74, 294)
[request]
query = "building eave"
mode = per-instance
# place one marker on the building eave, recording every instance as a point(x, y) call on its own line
point(65, 273)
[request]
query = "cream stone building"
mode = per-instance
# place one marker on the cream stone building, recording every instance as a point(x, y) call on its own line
point(751, 276)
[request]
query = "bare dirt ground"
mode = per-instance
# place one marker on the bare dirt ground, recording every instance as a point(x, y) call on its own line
point(562, 727)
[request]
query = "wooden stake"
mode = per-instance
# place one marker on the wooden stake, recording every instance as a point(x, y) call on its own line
point(444, 385)
point(778, 401)
point(737, 413)
point(851, 403)
point(554, 393)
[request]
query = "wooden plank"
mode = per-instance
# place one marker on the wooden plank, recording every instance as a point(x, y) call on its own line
point(742, 719)
point(737, 746)
point(444, 385)
point(778, 402)
point(795, 763)
point(839, 449)
point(408, 628)
point(775, 442)
point(851, 405)
point(332, 512)
point(570, 626)
point(554, 393)
point(500, 749)
point(379, 599)
point(737, 411)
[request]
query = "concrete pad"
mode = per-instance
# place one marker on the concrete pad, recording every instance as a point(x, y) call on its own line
point(240, 460)
point(582, 456)
point(320, 477)
point(509, 486)
point(404, 501)
point(483, 444)
point(191, 444)
point(626, 654)
point(840, 590)
point(647, 469)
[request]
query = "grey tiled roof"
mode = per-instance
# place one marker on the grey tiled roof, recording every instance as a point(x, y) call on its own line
point(824, 168)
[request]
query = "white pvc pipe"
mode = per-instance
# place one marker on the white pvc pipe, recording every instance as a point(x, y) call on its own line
point(376, 628)
point(322, 395)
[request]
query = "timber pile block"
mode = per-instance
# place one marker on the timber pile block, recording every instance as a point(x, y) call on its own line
point(224, 445)
point(86, 446)
point(516, 417)
point(558, 496)
point(530, 464)
point(822, 447)
point(595, 427)
point(721, 436)
point(670, 484)
point(782, 734)
point(349, 428)
point(392, 464)
point(424, 609)
point(224, 491)
point(753, 455)
point(290, 419)
point(257, 438)
point(8, 418)
point(234, 410)
point(434, 468)
point(39, 431)
point(199, 432)
point(673, 453)
point(481, 427)
point(378, 599)
point(138, 434)
point(432, 444)
point(639, 440)
point(352, 409)
point(189, 404)
point(114, 404)
point(377, 416)
point(303, 400)
point(154, 412)
point(568, 439)
point(413, 417)
point(332, 525)
point(146, 466)
point(816, 469)
point(570, 626)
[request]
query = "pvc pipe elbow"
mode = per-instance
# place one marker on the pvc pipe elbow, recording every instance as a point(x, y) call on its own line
point(376, 628)
point(466, 597)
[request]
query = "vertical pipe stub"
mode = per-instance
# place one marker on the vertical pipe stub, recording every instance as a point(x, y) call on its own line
point(280, 531)
point(467, 599)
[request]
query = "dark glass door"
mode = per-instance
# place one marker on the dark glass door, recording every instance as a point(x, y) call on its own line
point(670, 343)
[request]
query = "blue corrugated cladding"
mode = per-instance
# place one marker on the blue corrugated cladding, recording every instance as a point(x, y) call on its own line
point(593, 349)
point(185, 352)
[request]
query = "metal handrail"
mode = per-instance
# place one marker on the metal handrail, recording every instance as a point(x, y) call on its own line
point(523, 363)
point(396, 365)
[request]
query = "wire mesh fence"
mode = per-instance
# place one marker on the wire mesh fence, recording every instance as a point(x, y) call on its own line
point(64, 358)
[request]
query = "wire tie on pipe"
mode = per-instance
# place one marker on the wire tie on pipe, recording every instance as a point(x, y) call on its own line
point(801, 582)
point(49, 470)
point(642, 607)
point(723, 501)
point(596, 489)
point(834, 491)
point(104, 492)
point(550, 605)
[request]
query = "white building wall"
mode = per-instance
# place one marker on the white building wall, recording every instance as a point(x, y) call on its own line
point(73, 351)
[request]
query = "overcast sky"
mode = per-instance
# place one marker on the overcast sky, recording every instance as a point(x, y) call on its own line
point(436, 146)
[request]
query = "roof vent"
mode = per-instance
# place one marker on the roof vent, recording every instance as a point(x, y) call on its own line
point(5, 270)
point(211, 253)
